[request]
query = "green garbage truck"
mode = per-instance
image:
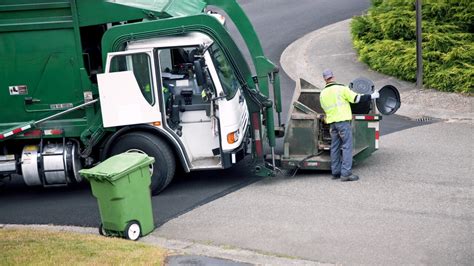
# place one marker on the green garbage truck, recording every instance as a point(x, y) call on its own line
point(83, 80)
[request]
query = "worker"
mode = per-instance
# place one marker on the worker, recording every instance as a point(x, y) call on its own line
point(335, 100)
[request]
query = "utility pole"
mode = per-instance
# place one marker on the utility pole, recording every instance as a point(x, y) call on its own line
point(419, 58)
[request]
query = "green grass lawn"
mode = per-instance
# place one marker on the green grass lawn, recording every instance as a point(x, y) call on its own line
point(43, 247)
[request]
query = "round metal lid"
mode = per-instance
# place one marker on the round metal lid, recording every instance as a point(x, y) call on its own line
point(389, 100)
point(362, 86)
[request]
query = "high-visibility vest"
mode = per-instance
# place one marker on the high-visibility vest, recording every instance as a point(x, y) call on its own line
point(335, 100)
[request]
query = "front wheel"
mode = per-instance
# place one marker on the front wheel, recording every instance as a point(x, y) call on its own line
point(164, 166)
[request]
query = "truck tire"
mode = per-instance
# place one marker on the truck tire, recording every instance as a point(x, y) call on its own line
point(143, 142)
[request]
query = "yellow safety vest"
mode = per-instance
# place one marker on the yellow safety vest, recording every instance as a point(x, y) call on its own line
point(335, 99)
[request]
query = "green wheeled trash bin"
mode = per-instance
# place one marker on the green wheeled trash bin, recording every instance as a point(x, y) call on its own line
point(121, 185)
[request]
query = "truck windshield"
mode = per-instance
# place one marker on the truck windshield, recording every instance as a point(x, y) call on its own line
point(230, 83)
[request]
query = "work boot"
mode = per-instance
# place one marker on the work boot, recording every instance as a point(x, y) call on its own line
point(349, 178)
point(336, 176)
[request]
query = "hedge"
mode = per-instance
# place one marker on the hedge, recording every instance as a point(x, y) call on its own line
point(385, 39)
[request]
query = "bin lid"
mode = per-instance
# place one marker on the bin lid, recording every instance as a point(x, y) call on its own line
point(117, 166)
point(389, 100)
point(362, 85)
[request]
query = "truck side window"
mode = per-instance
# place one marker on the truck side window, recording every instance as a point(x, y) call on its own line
point(177, 70)
point(140, 64)
point(229, 81)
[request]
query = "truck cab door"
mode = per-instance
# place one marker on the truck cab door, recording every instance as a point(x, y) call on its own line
point(128, 89)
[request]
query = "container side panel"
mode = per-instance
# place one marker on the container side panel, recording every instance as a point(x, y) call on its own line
point(94, 12)
point(40, 69)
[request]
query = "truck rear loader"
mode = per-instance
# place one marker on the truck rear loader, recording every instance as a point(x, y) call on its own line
point(82, 80)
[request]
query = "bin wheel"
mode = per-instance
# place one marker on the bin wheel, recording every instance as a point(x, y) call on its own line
point(102, 230)
point(132, 231)
point(147, 143)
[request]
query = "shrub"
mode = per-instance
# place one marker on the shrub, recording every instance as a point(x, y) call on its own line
point(385, 40)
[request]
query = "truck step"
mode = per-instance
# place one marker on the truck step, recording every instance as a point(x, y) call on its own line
point(206, 163)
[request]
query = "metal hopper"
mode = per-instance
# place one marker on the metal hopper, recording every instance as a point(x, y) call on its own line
point(307, 137)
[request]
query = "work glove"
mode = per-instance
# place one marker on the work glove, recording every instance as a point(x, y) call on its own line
point(375, 95)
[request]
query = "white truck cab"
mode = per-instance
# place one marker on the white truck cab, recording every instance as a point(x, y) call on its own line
point(185, 87)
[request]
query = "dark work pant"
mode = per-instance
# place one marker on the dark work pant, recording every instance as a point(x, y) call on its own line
point(341, 137)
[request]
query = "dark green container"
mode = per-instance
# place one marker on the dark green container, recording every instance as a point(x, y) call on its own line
point(121, 185)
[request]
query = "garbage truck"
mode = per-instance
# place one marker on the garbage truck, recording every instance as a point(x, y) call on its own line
point(83, 80)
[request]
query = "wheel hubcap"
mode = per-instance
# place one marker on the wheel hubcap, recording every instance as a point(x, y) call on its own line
point(134, 231)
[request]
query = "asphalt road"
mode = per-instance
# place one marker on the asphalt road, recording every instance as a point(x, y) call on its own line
point(278, 23)
point(75, 205)
point(20, 204)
